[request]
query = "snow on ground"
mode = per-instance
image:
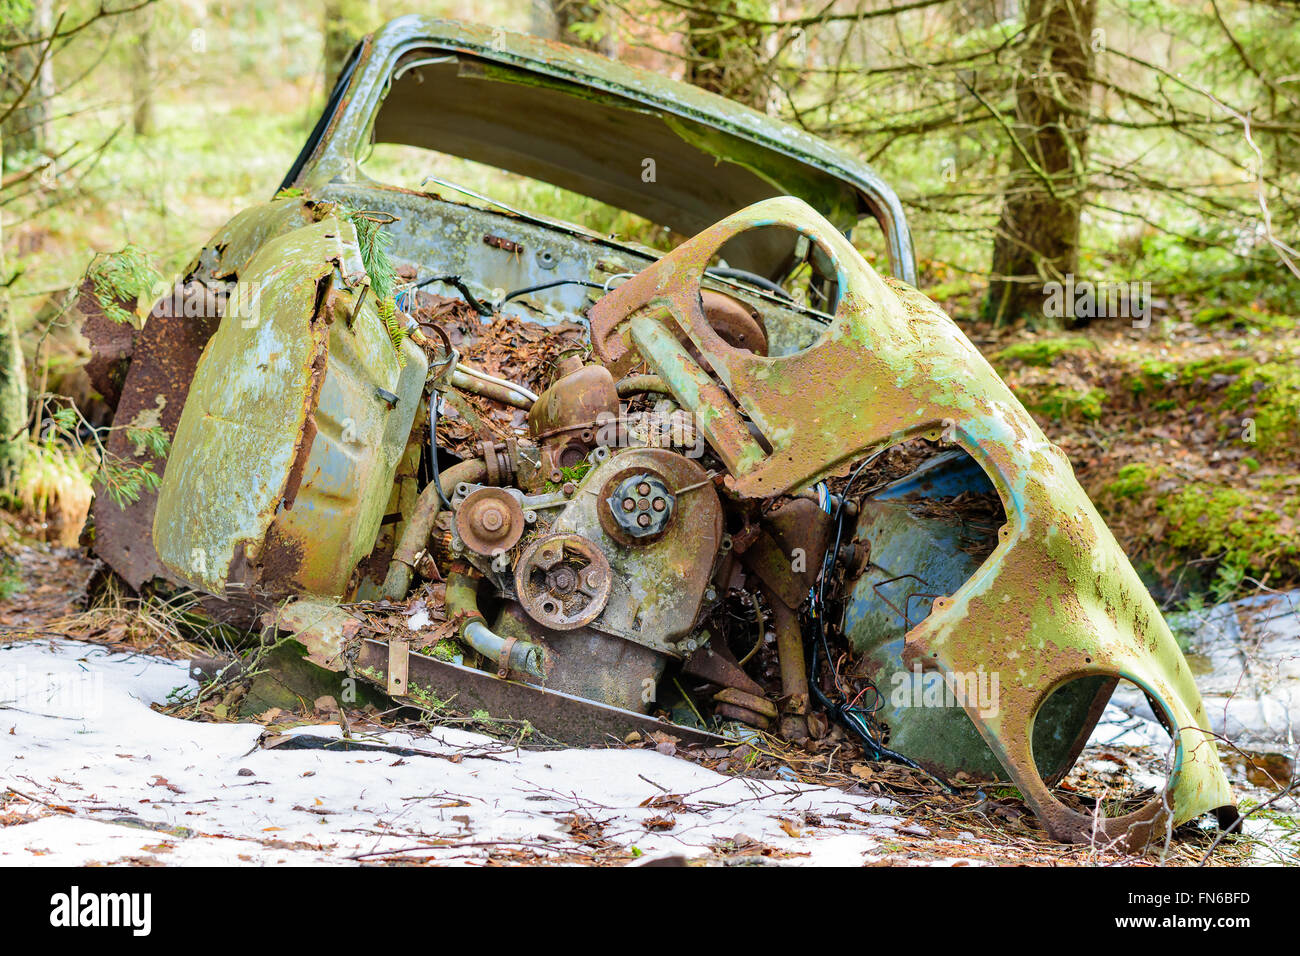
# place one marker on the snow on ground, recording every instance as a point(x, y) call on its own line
point(117, 781)
point(1245, 657)
point(111, 780)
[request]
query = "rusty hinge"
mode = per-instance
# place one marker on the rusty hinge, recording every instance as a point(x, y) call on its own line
point(504, 244)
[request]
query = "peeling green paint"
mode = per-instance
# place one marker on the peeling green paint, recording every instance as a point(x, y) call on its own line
point(284, 455)
point(1056, 601)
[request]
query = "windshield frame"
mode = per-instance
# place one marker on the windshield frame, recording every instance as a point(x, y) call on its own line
point(345, 127)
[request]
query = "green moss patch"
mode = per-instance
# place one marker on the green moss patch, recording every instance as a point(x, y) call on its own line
point(1260, 400)
point(1253, 530)
point(1062, 403)
point(1242, 318)
point(1133, 481)
point(1042, 352)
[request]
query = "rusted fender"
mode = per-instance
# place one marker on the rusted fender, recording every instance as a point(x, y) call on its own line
point(1057, 600)
point(283, 460)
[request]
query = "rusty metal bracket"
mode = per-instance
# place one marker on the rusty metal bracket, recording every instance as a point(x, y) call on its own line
point(577, 721)
point(759, 705)
point(398, 670)
point(503, 661)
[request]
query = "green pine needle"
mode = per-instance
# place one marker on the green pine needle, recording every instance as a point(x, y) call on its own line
point(122, 276)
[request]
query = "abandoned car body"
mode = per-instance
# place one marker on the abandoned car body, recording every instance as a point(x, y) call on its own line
point(588, 561)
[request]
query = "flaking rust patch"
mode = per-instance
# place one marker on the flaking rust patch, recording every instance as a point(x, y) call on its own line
point(145, 420)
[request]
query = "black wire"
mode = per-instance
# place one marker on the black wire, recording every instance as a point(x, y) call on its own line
point(852, 720)
point(850, 717)
point(433, 449)
point(459, 284)
point(753, 278)
point(551, 285)
point(736, 274)
point(828, 562)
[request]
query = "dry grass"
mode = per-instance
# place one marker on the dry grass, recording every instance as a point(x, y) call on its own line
point(171, 626)
point(53, 493)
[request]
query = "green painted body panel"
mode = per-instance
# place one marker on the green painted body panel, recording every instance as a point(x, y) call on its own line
point(284, 458)
point(926, 721)
point(1055, 602)
point(695, 120)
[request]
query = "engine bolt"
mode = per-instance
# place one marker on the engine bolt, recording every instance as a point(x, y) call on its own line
point(643, 520)
point(492, 519)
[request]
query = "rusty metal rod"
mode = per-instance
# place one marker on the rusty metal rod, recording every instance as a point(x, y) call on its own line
point(636, 384)
point(416, 536)
point(789, 648)
point(489, 386)
point(524, 657)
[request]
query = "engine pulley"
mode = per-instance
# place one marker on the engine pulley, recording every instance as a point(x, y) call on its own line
point(641, 505)
point(563, 581)
point(490, 521)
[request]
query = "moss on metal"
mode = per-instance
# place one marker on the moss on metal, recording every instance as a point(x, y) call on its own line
point(1057, 600)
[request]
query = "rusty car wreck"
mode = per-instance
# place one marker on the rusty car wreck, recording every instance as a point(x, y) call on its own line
point(706, 457)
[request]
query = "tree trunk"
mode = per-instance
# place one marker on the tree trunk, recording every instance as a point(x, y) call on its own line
point(1038, 232)
point(43, 19)
point(142, 74)
point(13, 384)
point(24, 128)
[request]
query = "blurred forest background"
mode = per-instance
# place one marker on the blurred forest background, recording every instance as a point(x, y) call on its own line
point(1147, 145)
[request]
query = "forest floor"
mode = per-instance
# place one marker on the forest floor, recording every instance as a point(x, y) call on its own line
point(108, 756)
point(1186, 435)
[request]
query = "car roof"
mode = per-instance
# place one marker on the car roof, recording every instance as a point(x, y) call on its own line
point(584, 122)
